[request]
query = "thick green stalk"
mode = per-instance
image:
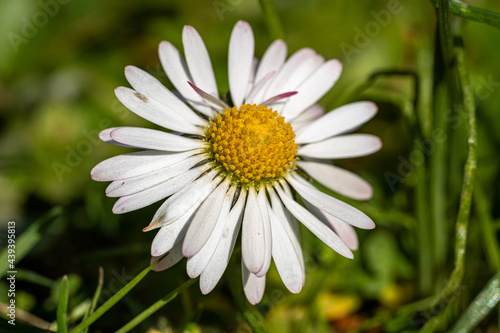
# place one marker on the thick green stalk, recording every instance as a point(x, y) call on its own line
point(472, 13)
point(272, 19)
point(462, 223)
point(438, 166)
point(112, 301)
point(155, 307)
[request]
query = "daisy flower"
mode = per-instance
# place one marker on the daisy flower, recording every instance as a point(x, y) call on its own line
point(239, 163)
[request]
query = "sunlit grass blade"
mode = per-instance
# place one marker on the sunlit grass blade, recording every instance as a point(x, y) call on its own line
point(112, 301)
point(28, 239)
point(482, 305)
point(155, 307)
point(62, 307)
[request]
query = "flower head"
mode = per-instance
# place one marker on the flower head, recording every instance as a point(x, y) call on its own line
point(239, 164)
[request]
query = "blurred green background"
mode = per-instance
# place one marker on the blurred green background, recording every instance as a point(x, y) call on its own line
point(60, 62)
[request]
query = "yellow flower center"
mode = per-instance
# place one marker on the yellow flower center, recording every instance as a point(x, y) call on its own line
point(253, 143)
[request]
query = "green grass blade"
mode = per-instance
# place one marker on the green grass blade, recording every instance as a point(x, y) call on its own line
point(95, 299)
point(62, 307)
point(112, 301)
point(484, 302)
point(34, 277)
point(28, 239)
point(155, 307)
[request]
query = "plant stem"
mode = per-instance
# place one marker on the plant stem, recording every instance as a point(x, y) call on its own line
point(462, 223)
point(155, 307)
point(272, 19)
point(473, 13)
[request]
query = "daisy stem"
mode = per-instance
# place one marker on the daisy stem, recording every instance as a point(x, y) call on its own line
point(461, 227)
point(272, 19)
point(113, 300)
point(155, 306)
point(473, 13)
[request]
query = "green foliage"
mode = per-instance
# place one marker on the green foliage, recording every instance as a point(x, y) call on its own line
point(432, 263)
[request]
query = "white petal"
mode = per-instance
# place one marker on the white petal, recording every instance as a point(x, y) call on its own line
point(253, 286)
point(172, 234)
point(307, 117)
point(268, 239)
point(198, 61)
point(135, 164)
point(219, 260)
point(325, 234)
point(286, 71)
point(204, 221)
point(152, 139)
point(149, 86)
point(272, 60)
point(197, 263)
point(216, 102)
point(329, 204)
point(241, 49)
point(172, 258)
point(292, 225)
point(342, 146)
point(313, 88)
point(271, 63)
point(133, 185)
point(253, 244)
point(105, 136)
point(258, 87)
point(155, 112)
point(156, 193)
point(176, 68)
point(285, 256)
point(345, 231)
point(338, 179)
point(189, 196)
point(302, 72)
point(338, 121)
